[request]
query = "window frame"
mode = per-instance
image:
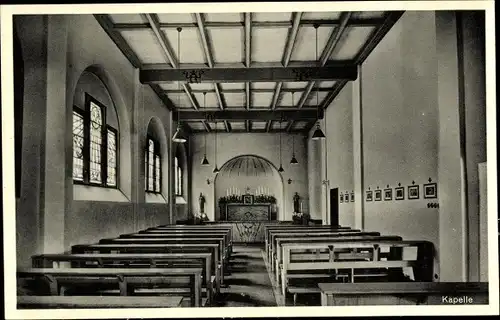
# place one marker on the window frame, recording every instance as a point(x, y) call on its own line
point(179, 177)
point(86, 113)
point(156, 152)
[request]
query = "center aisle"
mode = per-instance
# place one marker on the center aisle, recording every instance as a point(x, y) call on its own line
point(249, 283)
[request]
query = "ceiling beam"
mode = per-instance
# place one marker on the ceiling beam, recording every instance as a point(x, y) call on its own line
point(287, 54)
point(227, 125)
point(242, 91)
point(207, 126)
point(289, 126)
point(241, 115)
point(327, 73)
point(356, 22)
point(377, 35)
point(269, 125)
point(253, 65)
point(247, 95)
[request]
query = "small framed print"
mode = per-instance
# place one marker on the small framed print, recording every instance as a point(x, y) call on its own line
point(378, 195)
point(430, 190)
point(399, 193)
point(352, 196)
point(248, 199)
point(387, 194)
point(346, 198)
point(413, 192)
point(341, 198)
point(369, 195)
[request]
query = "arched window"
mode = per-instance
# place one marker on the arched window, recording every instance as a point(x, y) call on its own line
point(178, 177)
point(95, 146)
point(153, 166)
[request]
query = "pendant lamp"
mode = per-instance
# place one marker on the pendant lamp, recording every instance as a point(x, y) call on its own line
point(318, 134)
point(205, 162)
point(216, 170)
point(281, 166)
point(294, 160)
point(179, 136)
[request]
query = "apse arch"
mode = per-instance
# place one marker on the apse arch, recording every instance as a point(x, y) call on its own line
point(262, 177)
point(97, 82)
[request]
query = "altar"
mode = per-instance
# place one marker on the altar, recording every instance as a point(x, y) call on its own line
point(247, 212)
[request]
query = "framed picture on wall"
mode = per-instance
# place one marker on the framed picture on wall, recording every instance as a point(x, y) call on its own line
point(352, 196)
point(369, 195)
point(430, 190)
point(378, 195)
point(341, 198)
point(248, 199)
point(400, 193)
point(413, 192)
point(346, 197)
point(387, 194)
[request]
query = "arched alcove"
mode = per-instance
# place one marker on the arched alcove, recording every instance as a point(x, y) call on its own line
point(95, 84)
point(156, 131)
point(249, 174)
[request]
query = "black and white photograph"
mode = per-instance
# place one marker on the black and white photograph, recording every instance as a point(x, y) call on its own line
point(191, 159)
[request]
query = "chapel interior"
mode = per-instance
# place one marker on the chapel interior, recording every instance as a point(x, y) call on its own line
point(322, 158)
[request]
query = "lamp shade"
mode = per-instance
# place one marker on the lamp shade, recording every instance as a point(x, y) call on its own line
point(179, 136)
point(318, 134)
point(216, 170)
point(281, 169)
point(205, 162)
point(294, 160)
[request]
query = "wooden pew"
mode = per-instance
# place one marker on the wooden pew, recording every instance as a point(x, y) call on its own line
point(227, 242)
point(223, 258)
point(212, 248)
point(273, 233)
point(270, 228)
point(93, 302)
point(126, 278)
point(152, 260)
point(273, 248)
point(422, 266)
point(394, 293)
point(277, 261)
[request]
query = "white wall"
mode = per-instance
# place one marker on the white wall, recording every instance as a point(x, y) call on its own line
point(265, 145)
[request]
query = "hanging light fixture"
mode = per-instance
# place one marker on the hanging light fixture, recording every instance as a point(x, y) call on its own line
point(205, 162)
point(281, 166)
point(318, 134)
point(216, 170)
point(179, 136)
point(294, 160)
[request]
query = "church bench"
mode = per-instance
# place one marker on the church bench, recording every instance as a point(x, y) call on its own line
point(330, 254)
point(223, 258)
point(128, 279)
point(93, 302)
point(273, 244)
point(289, 228)
point(194, 229)
point(152, 260)
point(212, 248)
point(394, 293)
point(185, 233)
point(191, 227)
point(422, 265)
point(273, 233)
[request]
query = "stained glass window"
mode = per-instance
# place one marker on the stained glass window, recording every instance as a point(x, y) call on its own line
point(95, 143)
point(95, 146)
point(111, 174)
point(153, 166)
point(78, 139)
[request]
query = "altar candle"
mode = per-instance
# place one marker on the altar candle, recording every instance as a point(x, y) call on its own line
point(301, 207)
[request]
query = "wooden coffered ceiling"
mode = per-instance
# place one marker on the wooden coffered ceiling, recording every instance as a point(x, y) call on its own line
point(252, 71)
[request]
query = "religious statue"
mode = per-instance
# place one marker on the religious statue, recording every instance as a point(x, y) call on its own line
point(296, 202)
point(201, 200)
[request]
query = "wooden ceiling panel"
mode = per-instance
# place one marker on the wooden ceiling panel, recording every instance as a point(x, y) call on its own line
point(351, 42)
point(175, 18)
point(295, 85)
point(306, 42)
point(268, 45)
point(261, 100)
point(211, 100)
point(223, 17)
point(271, 16)
point(300, 125)
point(127, 18)
point(196, 125)
point(171, 85)
point(205, 86)
point(185, 103)
point(258, 125)
point(234, 100)
point(263, 85)
point(231, 86)
point(279, 125)
point(227, 45)
point(311, 100)
point(327, 84)
point(191, 49)
point(144, 44)
point(237, 125)
point(368, 14)
point(324, 15)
